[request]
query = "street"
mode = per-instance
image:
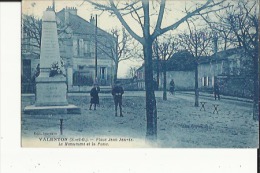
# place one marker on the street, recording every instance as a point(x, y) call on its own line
point(180, 124)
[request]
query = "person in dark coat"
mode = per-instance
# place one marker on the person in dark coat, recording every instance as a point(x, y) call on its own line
point(94, 96)
point(117, 93)
point(216, 90)
point(172, 86)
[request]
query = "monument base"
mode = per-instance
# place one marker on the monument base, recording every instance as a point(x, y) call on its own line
point(47, 110)
point(51, 91)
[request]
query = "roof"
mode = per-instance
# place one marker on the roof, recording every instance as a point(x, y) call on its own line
point(181, 61)
point(222, 55)
point(80, 25)
point(184, 61)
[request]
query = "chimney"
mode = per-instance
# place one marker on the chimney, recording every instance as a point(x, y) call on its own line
point(66, 15)
point(92, 20)
point(73, 10)
point(68, 12)
point(49, 8)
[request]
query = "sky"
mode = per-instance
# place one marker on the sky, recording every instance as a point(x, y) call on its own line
point(174, 11)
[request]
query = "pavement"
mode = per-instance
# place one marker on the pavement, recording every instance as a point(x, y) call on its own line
point(159, 94)
point(180, 124)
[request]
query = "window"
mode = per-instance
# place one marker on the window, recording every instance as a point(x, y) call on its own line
point(75, 47)
point(213, 80)
point(205, 81)
point(80, 67)
point(81, 47)
point(103, 72)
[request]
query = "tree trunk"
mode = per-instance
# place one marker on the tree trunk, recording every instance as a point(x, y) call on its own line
point(196, 86)
point(151, 111)
point(115, 72)
point(164, 81)
point(158, 71)
point(256, 89)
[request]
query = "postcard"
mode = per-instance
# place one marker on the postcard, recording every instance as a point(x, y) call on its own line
point(140, 74)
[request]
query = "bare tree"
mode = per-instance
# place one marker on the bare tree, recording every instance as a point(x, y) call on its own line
point(240, 24)
point(243, 21)
point(31, 30)
point(197, 42)
point(142, 11)
point(116, 49)
point(163, 48)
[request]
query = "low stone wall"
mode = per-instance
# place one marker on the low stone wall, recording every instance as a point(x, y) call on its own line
point(240, 87)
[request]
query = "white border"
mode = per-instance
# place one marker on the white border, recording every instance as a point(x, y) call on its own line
point(17, 159)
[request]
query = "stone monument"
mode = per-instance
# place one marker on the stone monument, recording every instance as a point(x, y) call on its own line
point(51, 87)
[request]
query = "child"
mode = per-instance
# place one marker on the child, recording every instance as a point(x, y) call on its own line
point(94, 96)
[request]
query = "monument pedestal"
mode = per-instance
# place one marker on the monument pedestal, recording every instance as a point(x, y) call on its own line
point(51, 91)
point(51, 97)
point(51, 110)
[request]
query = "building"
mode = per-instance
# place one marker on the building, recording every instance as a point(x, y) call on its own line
point(180, 68)
point(233, 68)
point(77, 40)
point(77, 47)
point(140, 78)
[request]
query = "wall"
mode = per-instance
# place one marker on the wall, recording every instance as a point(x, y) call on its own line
point(184, 80)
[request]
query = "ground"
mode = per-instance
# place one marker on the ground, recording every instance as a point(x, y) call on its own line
point(180, 124)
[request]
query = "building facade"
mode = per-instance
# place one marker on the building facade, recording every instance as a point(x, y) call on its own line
point(78, 41)
point(232, 68)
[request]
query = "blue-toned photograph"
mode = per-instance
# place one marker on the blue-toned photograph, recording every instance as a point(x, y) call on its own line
point(140, 74)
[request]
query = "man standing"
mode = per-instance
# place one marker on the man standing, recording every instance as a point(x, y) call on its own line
point(117, 93)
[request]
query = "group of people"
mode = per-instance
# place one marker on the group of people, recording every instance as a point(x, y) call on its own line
point(117, 92)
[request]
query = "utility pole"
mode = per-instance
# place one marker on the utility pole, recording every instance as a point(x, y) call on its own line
point(96, 50)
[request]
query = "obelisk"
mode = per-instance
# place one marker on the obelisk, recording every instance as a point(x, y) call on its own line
point(51, 87)
point(50, 90)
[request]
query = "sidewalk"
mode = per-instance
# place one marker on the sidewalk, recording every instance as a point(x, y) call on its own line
point(157, 94)
point(221, 96)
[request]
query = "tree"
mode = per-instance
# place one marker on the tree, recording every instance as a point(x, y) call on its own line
point(242, 25)
point(163, 49)
point(142, 11)
point(243, 21)
point(117, 49)
point(32, 32)
point(32, 28)
point(197, 42)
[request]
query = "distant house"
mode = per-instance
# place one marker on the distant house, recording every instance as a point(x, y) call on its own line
point(232, 68)
point(180, 68)
point(140, 78)
point(77, 49)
